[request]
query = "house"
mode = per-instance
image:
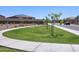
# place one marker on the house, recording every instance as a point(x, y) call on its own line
point(2, 17)
point(21, 19)
point(71, 20)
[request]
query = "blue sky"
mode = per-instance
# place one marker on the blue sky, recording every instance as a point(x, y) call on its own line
point(39, 11)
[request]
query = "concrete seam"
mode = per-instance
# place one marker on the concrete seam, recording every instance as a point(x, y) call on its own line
point(72, 48)
point(36, 47)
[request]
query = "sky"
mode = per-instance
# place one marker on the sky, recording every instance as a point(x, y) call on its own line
point(39, 11)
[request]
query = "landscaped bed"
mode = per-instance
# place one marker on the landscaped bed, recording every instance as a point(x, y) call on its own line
point(42, 34)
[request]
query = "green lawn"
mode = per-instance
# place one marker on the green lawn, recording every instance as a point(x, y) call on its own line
point(6, 49)
point(41, 34)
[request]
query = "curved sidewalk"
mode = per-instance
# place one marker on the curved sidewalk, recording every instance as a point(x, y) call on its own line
point(36, 46)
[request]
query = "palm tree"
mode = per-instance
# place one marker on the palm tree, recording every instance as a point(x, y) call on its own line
point(57, 16)
point(54, 17)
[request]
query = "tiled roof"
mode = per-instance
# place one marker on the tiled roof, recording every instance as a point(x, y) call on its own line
point(22, 15)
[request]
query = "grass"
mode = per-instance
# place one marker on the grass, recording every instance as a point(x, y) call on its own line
point(41, 34)
point(6, 49)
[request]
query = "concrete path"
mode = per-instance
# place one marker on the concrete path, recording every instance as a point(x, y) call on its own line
point(36, 46)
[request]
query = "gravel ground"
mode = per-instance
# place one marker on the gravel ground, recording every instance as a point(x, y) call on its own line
point(6, 26)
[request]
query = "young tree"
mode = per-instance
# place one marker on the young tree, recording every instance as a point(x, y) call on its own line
point(61, 22)
point(52, 16)
point(46, 21)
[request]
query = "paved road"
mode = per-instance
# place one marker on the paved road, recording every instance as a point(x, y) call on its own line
point(72, 26)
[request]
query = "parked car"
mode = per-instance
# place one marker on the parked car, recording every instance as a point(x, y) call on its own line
point(67, 23)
